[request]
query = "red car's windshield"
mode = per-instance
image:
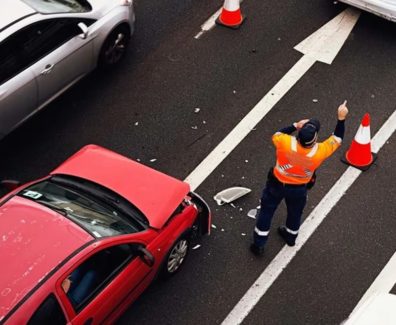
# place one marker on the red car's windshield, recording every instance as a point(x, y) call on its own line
point(97, 217)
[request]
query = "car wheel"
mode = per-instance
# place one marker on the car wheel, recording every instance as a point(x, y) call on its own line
point(176, 256)
point(114, 47)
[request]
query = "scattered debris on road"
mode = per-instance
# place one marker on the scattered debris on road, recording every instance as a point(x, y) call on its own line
point(231, 194)
point(252, 213)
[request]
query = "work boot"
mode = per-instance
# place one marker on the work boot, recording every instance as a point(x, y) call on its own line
point(286, 236)
point(256, 250)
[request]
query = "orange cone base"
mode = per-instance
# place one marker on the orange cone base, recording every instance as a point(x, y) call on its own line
point(236, 26)
point(345, 160)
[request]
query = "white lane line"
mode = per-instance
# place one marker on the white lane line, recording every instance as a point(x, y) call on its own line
point(279, 263)
point(382, 284)
point(209, 24)
point(330, 37)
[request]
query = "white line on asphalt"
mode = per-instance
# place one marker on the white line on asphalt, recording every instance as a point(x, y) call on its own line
point(279, 263)
point(330, 37)
point(382, 284)
point(209, 24)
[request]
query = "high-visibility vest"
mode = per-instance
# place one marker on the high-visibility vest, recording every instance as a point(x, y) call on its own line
point(296, 164)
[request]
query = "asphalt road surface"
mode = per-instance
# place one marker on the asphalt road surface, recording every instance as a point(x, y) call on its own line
point(145, 109)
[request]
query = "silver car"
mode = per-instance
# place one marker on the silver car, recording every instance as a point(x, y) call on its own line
point(383, 8)
point(48, 45)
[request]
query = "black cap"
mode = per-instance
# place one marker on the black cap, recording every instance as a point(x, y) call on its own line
point(308, 134)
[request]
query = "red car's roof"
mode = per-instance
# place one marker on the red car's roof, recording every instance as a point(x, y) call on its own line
point(155, 194)
point(33, 241)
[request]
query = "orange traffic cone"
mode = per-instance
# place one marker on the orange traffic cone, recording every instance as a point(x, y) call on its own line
point(230, 15)
point(359, 154)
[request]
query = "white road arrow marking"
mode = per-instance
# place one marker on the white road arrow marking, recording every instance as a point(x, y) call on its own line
point(322, 46)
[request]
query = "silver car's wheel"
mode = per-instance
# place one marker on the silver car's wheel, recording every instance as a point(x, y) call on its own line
point(114, 47)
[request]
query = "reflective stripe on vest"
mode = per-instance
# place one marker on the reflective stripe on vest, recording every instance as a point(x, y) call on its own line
point(283, 169)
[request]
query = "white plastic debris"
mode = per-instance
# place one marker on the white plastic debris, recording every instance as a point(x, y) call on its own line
point(315, 100)
point(154, 159)
point(136, 123)
point(214, 226)
point(233, 205)
point(196, 246)
point(252, 213)
point(243, 234)
point(222, 229)
point(196, 110)
point(231, 194)
point(194, 127)
point(234, 91)
point(240, 209)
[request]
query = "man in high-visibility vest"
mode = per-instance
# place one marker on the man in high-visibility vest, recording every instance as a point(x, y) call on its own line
point(297, 158)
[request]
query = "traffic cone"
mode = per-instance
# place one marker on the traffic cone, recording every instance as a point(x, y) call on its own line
point(230, 15)
point(359, 154)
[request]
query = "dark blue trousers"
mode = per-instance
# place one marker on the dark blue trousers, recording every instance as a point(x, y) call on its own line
point(273, 193)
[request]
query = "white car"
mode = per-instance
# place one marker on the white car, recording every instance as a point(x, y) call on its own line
point(383, 8)
point(48, 45)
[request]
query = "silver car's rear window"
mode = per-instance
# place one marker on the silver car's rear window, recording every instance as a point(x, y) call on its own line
point(58, 6)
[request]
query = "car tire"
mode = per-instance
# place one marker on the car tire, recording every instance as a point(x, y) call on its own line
point(114, 47)
point(175, 257)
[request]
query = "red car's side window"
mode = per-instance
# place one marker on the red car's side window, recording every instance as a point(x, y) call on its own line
point(89, 278)
point(49, 312)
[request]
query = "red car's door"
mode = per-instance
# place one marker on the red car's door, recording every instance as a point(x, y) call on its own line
point(96, 288)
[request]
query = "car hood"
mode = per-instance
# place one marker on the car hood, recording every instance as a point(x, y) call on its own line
point(155, 194)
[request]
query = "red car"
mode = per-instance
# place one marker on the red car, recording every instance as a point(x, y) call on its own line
point(81, 244)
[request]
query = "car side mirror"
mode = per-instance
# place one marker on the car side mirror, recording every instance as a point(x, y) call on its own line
point(10, 184)
point(84, 29)
point(146, 256)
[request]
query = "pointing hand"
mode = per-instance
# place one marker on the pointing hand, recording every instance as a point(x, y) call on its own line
point(342, 111)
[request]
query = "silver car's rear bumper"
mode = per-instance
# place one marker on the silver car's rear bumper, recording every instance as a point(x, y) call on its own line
point(383, 8)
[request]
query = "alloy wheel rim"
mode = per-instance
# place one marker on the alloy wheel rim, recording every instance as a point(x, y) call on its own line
point(116, 49)
point(177, 255)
